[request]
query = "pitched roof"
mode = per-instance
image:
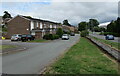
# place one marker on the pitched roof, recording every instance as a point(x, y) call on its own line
point(35, 19)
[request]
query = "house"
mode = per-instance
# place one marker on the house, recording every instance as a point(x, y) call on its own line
point(68, 28)
point(104, 25)
point(28, 25)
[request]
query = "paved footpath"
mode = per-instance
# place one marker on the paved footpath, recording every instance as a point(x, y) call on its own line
point(33, 60)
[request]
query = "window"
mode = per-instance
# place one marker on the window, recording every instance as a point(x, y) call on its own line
point(37, 24)
point(32, 25)
point(33, 33)
point(40, 25)
point(50, 25)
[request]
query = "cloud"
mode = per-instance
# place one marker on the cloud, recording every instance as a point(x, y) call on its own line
point(75, 12)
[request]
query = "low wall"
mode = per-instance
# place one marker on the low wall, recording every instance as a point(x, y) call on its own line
point(113, 52)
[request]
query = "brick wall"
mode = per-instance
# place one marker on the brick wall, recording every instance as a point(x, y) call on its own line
point(18, 25)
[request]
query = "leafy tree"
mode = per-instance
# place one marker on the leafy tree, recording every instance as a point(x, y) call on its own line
point(6, 15)
point(118, 25)
point(65, 22)
point(111, 27)
point(59, 32)
point(92, 23)
point(82, 26)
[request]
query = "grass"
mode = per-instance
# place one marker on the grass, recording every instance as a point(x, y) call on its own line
point(112, 44)
point(83, 58)
point(40, 40)
point(2, 47)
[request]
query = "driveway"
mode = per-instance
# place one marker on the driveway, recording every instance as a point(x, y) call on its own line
point(34, 60)
point(116, 39)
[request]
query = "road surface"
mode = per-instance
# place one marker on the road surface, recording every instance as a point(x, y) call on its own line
point(116, 39)
point(33, 60)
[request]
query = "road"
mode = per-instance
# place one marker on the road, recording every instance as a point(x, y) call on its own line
point(116, 39)
point(33, 60)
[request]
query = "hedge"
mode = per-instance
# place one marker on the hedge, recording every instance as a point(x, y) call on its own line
point(51, 36)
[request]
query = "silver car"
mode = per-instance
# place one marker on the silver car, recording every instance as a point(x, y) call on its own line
point(65, 37)
point(16, 37)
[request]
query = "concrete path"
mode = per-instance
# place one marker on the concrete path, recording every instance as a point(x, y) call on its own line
point(33, 60)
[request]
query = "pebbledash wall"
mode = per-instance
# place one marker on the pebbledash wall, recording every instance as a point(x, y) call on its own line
point(27, 25)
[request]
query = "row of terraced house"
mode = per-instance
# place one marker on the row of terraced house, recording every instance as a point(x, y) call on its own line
point(27, 25)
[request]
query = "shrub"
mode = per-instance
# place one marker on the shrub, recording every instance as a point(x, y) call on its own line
point(56, 36)
point(84, 33)
point(50, 37)
point(46, 37)
point(59, 32)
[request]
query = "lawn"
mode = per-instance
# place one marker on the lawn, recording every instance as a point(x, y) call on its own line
point(40, 40)
point(112, 44)
point(2, 47)
point(83, 58)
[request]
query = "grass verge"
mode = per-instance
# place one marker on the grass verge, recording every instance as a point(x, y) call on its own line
point(40, 40)
point(112, 44)
point(83, 58)
point(2, 47)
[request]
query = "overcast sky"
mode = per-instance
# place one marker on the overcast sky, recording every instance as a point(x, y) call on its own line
point(75, 12)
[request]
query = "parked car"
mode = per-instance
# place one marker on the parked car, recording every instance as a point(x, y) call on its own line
point(65, 36)
point(16, 37)
point(27, 37)
point(109, 37)
point(72, 34)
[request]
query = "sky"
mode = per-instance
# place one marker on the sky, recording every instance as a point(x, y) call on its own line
point(74, 12)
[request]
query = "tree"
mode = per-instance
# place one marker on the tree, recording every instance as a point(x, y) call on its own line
point(65, 22)
point(92, 23)
point(82, 26)
point(118, 25)
point(6, 15)
point(59, 32)
point(111, 27)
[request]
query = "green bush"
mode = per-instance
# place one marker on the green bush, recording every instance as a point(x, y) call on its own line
point(46, 37)
point(51, 36)
point(84, 33)
point(59, 32)
point(56, 36)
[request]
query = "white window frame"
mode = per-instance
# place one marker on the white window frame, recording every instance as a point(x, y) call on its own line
point(32, 25)
point(33, 33)
point(41, 26)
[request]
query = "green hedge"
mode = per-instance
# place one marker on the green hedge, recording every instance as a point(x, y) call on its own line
point(51, 36)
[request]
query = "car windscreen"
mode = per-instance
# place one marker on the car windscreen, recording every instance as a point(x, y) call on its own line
point(65, 35)
point(29, 36)
point(14, 35)
point(23, 35)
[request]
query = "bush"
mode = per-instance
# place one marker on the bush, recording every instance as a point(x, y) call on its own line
point(84, 33)
point(56, 36)
point(59, 32)
point(50, 37)
point(46, 37)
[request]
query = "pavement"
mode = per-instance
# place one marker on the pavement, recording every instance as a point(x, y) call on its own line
point(116, 39)
point(37, 57)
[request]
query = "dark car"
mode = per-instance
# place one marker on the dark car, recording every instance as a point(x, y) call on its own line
point(72, 34)
point(109, 37)
point(27, 37)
